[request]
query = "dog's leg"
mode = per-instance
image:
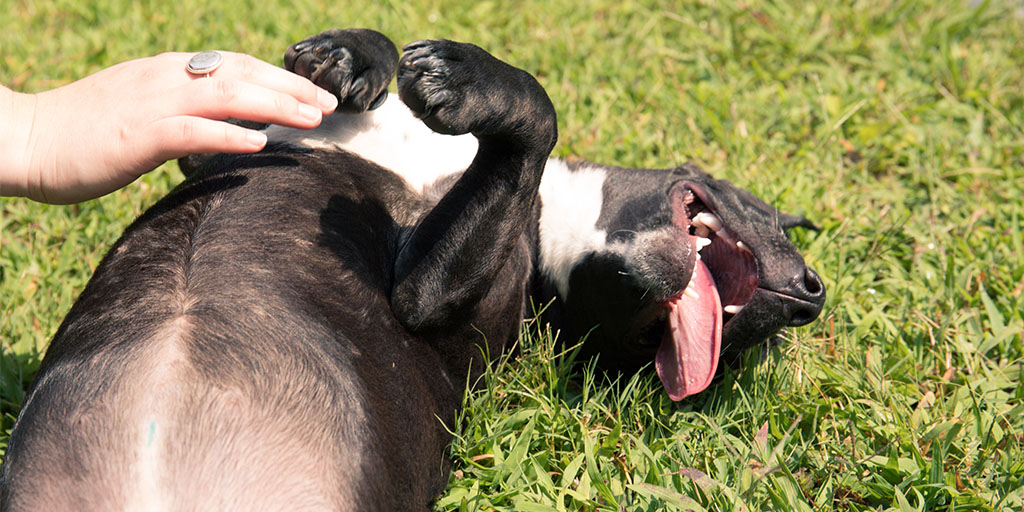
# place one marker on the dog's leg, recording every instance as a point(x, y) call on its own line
point(451, 258)
point(356, 65)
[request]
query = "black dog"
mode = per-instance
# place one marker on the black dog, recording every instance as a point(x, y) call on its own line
point(289, 330)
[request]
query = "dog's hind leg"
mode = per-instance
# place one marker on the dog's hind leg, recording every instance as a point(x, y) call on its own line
point(454, 255)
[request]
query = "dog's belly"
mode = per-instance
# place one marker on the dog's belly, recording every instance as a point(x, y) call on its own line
point(243, 322)
point(135, 436)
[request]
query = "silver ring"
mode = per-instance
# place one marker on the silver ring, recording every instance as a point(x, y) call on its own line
point(204, 63)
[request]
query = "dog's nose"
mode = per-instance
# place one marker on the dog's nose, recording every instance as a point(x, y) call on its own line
point(813, 286)
point(809, 293)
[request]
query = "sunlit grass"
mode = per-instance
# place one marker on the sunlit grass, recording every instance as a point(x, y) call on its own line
point(898, 127)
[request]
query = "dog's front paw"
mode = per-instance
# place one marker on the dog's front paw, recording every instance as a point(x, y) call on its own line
point(425, 83)
point(356, 65)
point(458, 88)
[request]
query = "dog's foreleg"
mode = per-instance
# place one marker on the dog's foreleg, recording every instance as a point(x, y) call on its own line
point(454, 254)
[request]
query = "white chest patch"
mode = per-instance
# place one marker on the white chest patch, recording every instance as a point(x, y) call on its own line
point(570, 206)
point(391, 137)
point(395, 139)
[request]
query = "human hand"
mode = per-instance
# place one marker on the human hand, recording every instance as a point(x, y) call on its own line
point(102, 132)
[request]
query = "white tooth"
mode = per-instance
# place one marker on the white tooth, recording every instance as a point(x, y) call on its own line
point(742, 245)
point(709, 219)
point(691, 293)
point(732, 309)
point(703, 242)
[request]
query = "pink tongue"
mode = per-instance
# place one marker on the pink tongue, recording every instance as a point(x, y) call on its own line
point(688, 355)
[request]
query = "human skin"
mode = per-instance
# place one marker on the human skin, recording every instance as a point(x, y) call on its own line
point(100, 133)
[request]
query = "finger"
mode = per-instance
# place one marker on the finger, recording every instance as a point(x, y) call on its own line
point(180, 136)
point(218, 98)
point(239, 66)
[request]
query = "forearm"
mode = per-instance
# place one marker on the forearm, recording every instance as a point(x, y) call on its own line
point(17, 118)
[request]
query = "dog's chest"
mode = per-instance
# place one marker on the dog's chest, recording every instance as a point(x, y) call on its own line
point(391, 137)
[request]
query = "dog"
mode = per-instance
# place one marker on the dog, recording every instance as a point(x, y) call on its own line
point(294, 329)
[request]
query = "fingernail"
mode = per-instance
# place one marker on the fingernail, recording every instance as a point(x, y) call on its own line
point(327, 101)
point(309, 112)
point(257, 139)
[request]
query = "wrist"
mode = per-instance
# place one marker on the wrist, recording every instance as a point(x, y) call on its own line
point(17, 120)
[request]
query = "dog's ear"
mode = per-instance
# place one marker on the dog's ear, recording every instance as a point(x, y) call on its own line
point(795, 221)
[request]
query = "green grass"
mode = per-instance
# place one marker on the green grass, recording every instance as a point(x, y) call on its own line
point(896, 126)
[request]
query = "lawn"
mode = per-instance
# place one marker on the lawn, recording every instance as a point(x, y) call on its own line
point(898, 127)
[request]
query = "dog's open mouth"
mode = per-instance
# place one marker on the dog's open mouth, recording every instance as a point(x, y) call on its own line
point(723, 281)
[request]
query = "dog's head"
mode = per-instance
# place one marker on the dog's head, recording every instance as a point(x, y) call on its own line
point(678, 268)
